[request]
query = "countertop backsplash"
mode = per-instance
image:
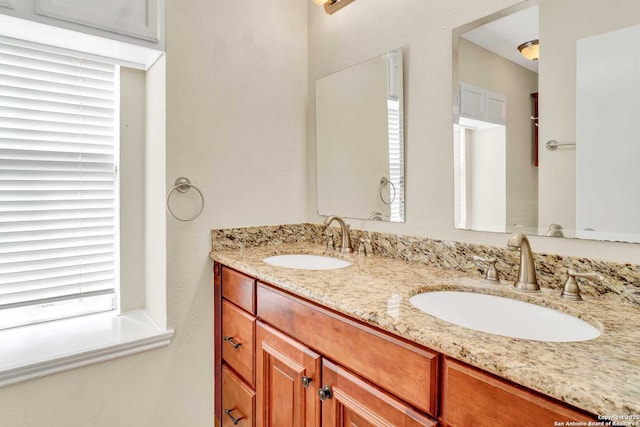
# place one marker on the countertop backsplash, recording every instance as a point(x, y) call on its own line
point(621, 281)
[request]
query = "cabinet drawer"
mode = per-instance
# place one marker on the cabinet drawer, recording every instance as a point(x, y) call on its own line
point(238, 401)
point(472, 397)
point(238, 333)
point(239, 289)
point(402, 369)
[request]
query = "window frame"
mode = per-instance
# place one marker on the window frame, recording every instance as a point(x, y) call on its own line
point(46, 348)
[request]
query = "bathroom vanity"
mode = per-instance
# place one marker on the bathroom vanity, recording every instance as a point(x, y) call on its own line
point(344, 347)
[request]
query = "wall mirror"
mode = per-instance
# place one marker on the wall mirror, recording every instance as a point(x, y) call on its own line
point(549, 146)
point(360, 144)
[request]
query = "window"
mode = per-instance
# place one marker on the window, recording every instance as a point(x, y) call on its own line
point(396, 159)
point(58, 185)
point(45, 104)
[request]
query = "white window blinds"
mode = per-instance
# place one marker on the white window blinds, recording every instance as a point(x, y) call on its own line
point(396, 159)
point(58, 185)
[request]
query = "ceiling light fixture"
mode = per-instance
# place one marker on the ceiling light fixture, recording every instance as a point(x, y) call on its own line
point(530, 50)
point(332, 6)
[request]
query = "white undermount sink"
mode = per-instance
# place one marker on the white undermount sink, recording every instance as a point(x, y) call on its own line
point(307, 262)
point(504, 316)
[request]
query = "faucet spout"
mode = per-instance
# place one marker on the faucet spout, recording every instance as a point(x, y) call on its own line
point(346, 240)
point(527, 280)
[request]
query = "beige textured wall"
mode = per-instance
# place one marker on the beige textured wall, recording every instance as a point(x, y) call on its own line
point(367, 28)
point(236, 99)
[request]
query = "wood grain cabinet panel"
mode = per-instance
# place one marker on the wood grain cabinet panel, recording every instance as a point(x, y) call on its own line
point(239, 288)
point(353, 402)
point(238, 334)
point(405, 370)
point(471, 397)
point(287, 376)
point(238, 401)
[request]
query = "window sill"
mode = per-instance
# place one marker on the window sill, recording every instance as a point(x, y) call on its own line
point(37, 350)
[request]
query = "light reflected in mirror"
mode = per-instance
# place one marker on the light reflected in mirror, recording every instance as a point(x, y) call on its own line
point(581, 96)
point(360, 142)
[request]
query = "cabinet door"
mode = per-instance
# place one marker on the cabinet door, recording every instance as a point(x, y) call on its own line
point(472, 101)
point(496, 108)
point(136, 18)
point(287, 377)
point(350, 401)
point(482, 104)
point(471, 397)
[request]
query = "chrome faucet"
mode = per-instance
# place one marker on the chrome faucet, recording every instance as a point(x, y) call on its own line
point(346, 240)
point(527, 279)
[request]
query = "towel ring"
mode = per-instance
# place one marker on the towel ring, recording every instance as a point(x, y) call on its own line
point(384, 181)
point(183, 185)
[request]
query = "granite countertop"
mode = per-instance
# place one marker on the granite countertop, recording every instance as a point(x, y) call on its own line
point(601, 376)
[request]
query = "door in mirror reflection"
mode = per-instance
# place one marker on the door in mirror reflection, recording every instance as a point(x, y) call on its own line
point(579, 99)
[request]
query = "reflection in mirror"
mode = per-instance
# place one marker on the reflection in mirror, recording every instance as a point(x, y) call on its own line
point(549, 147)
point(360, 146)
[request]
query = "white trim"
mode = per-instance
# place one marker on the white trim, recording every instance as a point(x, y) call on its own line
point(60, 40)
point(116, 190)
point(37, 350)
point(11, 4)
point(147, 31)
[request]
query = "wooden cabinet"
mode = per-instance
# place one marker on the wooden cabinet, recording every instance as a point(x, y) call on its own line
point(288, 375)
point(350, 401)
point(238, 400)
point(234, 347)
point(288, 384)
point(296, 353)
point(280, 343)
point(473, 397)
point(369, 353)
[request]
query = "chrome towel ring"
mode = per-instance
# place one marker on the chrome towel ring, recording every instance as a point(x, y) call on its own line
point(384, 181)
point(183, 185)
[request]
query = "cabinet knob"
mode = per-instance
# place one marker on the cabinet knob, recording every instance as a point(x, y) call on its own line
point(234, 420)
point(325, 393)
point(232, 342)
point(306, 381)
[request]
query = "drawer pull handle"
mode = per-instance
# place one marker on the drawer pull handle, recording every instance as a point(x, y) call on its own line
point(306, 381)
point(234, 420)
point(325, 393)
point(232, 342)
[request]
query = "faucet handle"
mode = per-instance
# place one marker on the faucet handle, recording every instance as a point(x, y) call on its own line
point(362, 247)
point(571, 290)
point(491, 275)
point(331, 244)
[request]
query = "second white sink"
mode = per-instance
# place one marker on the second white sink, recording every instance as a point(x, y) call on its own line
point(504, 316)
point(307, 262)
